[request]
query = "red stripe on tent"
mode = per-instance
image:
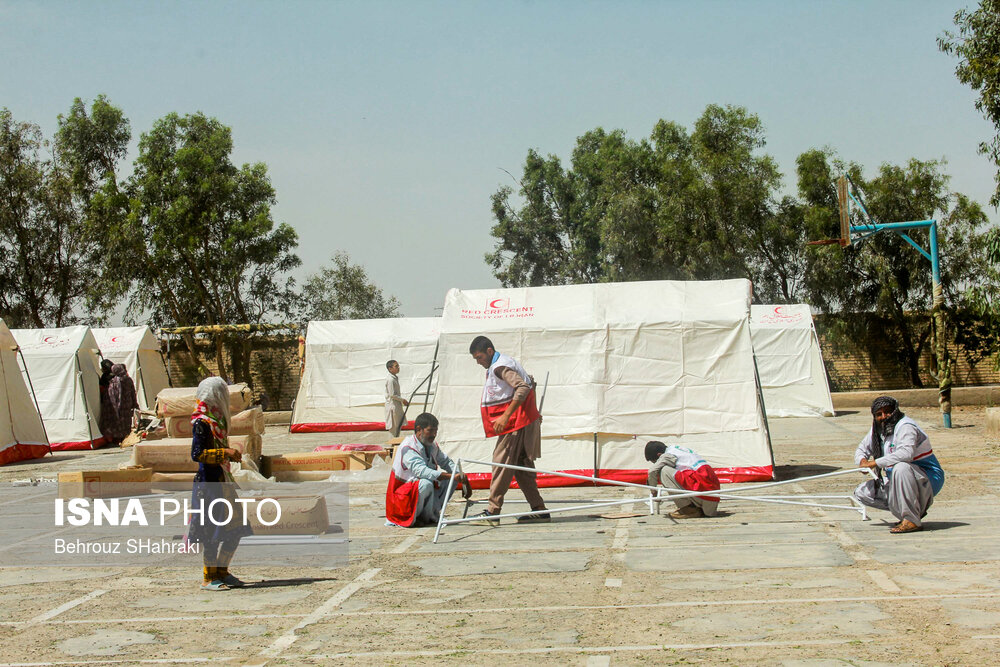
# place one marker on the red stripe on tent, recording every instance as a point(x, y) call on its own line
point(344, 427)
point(20, 452)
point(83, 444)
point(481, 480)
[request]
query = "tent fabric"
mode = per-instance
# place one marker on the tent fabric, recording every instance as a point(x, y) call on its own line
point(22, 435)
point(629, 362)
point(65, 372)
point(139, 350)
point(343, 386)
point(789, 362)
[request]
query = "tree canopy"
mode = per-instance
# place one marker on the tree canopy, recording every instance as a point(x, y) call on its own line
point(343, 291)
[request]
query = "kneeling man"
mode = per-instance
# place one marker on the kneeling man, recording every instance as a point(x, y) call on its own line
point(418, 482)
point(680, 468)
point(896, 445)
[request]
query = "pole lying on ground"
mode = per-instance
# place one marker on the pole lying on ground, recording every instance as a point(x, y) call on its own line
point(656, 494)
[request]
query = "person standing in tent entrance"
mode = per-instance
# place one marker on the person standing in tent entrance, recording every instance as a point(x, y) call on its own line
point(508, 410)
point(118, 406)
point(418, 482)
point(896, 445)
point(210, 448)
point(394, 401)
point(680, 468)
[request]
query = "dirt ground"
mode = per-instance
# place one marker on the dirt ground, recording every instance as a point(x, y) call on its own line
point(759, 584)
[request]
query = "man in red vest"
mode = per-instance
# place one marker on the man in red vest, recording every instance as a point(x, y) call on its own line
point(509, 411)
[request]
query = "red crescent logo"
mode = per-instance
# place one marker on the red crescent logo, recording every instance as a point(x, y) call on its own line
point(115, 339)
point(48, 339)
point(493, 303)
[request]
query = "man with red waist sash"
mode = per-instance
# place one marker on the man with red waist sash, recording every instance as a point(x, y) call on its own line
point(509, 412)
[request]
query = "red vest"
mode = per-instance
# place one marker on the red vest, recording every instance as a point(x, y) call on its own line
point(401, 501)
point(497, 396)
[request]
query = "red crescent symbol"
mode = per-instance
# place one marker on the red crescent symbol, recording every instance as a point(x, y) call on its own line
point(48, 339)
point(115, 339)
point(493, 303)
point(777, 310)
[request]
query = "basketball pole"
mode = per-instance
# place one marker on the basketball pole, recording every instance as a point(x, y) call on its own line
point(940, 361)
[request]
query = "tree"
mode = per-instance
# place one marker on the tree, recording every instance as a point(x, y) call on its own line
point(882, 284)
point(977, 46)
point(343, 291)
point(198, 233)
point(676, 206)
point(50, 269)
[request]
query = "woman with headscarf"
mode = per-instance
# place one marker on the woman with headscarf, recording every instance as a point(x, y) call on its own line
point(210, 448)
point(118, 406)
point(896, 445)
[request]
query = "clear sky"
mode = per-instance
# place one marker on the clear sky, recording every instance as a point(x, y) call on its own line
point(385, 125)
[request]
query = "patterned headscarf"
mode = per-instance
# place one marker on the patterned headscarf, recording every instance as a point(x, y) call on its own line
point(213, 407)
point(121, 390)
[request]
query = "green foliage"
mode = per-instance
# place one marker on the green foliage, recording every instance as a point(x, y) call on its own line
point(883, 275)
point(343, 291)
point(677, 206)
point(50, 266)
point(977, 46)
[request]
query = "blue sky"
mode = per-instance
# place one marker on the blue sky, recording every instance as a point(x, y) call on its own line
point(385, 125)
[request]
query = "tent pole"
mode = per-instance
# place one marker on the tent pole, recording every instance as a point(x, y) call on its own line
point(430, 379)
point(763, 408)
point(35, 399)
point(83, 390)
point(596, 469)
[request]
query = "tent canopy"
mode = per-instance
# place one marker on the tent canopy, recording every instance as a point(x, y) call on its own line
point(628, 362)
point(139, 350)
point(789, 361)
point(22, 435)
point(343, 386)
point(64, 371)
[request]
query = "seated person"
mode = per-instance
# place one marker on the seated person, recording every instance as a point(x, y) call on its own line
point(897, 445)
point(680, 468)
point(419, 478)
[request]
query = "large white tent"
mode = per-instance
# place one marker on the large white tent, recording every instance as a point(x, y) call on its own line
point(139, 350)
point(626, 363)
point(789, 361)
point(22, 435)
point(343, 386)
point(65, 372)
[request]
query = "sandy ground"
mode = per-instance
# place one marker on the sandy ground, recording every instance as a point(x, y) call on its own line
point(759, 584)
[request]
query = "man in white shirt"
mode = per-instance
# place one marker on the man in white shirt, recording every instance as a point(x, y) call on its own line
point(394, 401)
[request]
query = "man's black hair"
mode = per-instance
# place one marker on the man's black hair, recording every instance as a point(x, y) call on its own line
point(388, 364)
point(654, 448)
point(423, 420)
point(480, 344)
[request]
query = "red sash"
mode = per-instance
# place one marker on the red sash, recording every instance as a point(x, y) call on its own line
point(523, 415)
point(401, 501)
point(702, 479)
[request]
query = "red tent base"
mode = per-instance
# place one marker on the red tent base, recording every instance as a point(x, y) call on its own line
point(343, 427)
point(83, 444)
point(481, 480)
point(20, 452)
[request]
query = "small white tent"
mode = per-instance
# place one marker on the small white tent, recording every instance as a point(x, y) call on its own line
point(343, 386)
point(138, 349)
point(21, 433)
point(65, 373)
point(789, 362)
point(626, 363)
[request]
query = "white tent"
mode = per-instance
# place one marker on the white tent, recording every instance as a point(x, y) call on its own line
point(792, 374)
point(65, 373)
point(343, 386)
point(138, 349)
point(626, 363)
point(21, 433)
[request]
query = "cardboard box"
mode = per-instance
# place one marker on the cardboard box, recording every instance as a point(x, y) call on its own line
point(300, 515)
point(331, 460)
point(174, 454)
point(181, 401)
point(171, 482)
point(105, 483)
point(301, 475)
point(244, 423)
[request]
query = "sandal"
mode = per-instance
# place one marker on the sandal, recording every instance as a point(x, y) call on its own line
point(215, 585)
point(233, 582)
point(905, 526)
